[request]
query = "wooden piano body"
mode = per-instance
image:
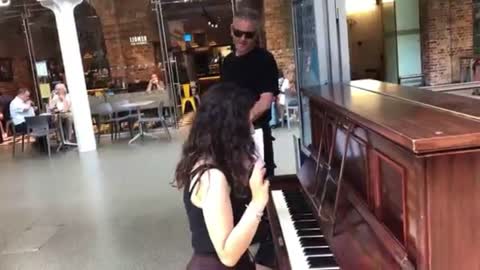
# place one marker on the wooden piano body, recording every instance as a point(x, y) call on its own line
point(410, 194)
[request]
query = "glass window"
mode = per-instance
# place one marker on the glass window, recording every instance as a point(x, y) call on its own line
point(29, 51)
point(307, 49)
point(308, 66)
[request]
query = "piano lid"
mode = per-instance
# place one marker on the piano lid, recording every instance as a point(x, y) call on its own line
point(464, 106)
point(421, 122)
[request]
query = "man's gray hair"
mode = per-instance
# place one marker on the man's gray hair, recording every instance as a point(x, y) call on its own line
point(249, 15)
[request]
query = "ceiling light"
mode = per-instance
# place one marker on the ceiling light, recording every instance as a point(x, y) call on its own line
point(359, 6)
point(4, 3)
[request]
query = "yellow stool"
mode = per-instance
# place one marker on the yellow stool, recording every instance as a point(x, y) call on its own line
point(187, 97)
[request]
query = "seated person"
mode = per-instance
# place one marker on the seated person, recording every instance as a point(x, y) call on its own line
point(60, 102)
point(4, 115)
point(2, 131)
point(220, 176)
point(155, 84)
point(21, 107)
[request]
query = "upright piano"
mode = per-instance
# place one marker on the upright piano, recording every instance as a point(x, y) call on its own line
point(390, 180)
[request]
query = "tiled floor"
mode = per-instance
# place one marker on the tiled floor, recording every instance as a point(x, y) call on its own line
point(113, 209)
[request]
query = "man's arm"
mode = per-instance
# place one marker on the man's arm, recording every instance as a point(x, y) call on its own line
point(21, 107)
point(52, 102)
point(262, 105)
point(269, 89)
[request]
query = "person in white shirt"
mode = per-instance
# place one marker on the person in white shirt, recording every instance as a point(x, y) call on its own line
point(60, 102)
point(287, 92)
point(21, 107)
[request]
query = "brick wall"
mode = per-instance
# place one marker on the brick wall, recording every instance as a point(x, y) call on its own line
point(13, 46)
point(278, 31)
point(22, 77)
point(447, 35)
point(120, 20)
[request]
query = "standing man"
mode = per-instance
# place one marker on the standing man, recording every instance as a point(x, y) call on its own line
point(255, 69)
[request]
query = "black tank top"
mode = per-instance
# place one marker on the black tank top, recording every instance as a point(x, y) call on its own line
point(201, 242)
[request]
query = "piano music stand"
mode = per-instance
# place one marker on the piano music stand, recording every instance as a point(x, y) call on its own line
point(329, 177)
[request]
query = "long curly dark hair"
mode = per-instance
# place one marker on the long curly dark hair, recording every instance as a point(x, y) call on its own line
point(221, 135)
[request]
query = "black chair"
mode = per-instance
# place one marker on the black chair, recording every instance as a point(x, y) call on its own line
point(157, 119)
point(14, 139)
point(122, 115)
point(103, 114)
point(39, 127)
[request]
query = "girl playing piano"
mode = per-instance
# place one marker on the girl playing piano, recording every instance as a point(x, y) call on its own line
point(225, 192)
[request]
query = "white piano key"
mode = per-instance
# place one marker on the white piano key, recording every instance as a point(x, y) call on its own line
point(298, 260)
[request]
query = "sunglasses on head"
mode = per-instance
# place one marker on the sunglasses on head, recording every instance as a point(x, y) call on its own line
point(248, 35)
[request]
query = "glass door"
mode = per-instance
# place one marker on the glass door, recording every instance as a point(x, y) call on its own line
point(307, 60)
point(403, 63)
point(193, 38)
point(29, 40)
point(321, 51)
point(167, 63)
point(390, 42)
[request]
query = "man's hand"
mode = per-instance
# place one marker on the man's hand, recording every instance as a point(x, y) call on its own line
point(262, 105)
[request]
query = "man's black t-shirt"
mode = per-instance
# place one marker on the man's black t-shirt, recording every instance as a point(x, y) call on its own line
point(256, 71)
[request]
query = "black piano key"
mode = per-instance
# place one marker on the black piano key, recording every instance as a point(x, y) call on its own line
point(322, 261)
point(313, 242)
point(297, 217)
point(296, 201)
point(304, 218)
point(291, 192)
point(313, 232)
point(316, 251)
point(297, 195)
point(299, 210)
point(299, 225)
point(300, 203)
point(299, 199)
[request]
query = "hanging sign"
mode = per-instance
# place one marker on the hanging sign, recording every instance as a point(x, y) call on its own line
point(138, 40)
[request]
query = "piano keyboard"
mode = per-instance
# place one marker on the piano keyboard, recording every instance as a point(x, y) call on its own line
point(303, 238)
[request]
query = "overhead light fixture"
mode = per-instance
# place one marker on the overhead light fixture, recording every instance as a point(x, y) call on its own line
point(211, 22)
point(359, 6)
point(4, 3)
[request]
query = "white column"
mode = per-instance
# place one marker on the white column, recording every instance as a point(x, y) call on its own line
point(74, 73)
